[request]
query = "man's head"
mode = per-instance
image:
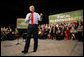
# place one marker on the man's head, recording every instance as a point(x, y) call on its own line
point(32, 8)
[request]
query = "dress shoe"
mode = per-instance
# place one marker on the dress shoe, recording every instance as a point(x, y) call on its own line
point(34, 51)
point(24, 52)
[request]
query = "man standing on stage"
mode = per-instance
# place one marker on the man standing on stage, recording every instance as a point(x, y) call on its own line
point(32, 19)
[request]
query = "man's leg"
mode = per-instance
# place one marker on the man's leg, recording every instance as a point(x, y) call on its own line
point(27, 43)
point(29, 32)
point(35, 34)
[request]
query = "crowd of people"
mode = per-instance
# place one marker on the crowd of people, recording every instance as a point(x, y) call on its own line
point(60, 31)
point(7, 33)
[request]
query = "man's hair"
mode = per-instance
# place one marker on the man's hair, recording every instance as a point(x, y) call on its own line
point(31, 5)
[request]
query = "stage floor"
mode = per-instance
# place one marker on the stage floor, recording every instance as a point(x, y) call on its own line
point(46, 47)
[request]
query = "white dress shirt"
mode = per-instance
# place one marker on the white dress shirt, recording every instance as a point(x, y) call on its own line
point(36, 18)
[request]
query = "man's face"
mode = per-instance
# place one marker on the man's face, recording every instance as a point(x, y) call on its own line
point(32, 8)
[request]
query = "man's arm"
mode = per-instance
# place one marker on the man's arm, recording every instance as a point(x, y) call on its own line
point(40, 17)
point(28, 17)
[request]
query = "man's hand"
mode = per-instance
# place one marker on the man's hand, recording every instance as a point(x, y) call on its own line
point(30, 16)
point(41, 14)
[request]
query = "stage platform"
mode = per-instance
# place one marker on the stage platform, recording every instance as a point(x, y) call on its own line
point(46, 47)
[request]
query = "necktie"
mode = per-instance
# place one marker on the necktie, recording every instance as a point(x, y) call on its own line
point(32, 19)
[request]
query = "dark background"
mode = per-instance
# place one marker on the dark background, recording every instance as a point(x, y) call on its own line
point(13, 9)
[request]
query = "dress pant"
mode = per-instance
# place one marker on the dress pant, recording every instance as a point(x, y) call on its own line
point(32, 29)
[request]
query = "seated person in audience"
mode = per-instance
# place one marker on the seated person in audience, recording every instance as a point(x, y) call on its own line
point(39, 33)
point(49, 34)
point(52, 33)
point(80, 32)
point(42, 33)
point(67, 33)
point(58, 32)
point(73, 33)
point(53, 30)
point(46, 32)
point(62, 33)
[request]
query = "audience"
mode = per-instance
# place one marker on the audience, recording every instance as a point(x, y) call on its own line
point(7, 33)
point(59, 31)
